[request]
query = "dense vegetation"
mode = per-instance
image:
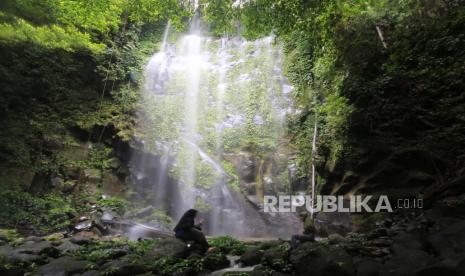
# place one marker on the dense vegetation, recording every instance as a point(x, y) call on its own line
point(380, 77)
point(68, 94)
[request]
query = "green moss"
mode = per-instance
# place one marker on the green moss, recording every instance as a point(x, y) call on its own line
point(227, 245)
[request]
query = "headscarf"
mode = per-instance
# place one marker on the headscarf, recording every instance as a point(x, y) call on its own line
point(187, 220)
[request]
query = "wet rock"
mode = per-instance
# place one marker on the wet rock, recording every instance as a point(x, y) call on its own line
point(251, 256)
point(9, 255)
point(84, 225)
point(68, 246)
point(122, 267)
point(167, 247)
point(115, 253)
point(63, 266)
point(81, 240)
point(37, 248)
point(215, 261)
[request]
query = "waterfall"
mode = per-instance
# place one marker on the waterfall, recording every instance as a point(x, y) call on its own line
point(203, 100)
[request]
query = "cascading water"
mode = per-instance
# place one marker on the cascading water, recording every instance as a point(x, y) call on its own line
point(205, 101)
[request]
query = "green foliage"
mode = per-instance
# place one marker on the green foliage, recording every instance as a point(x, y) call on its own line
point(230, 170)
point(119, 205)
point(220, 15)
point(40, 214)
point(99, 251)
point(227, 245)
point(66, 38)
point(72, 25)
point(98, 157)
point(172, 266)
point(11, 236)
point(347, 80)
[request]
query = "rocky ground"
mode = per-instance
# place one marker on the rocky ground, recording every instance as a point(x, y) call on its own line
point(415, 242)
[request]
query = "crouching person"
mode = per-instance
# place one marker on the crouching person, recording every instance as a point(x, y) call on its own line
point(186, 230)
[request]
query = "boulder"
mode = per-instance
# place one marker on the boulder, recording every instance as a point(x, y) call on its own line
point(37, 248)
point(167, 247)
point(63, 266)
point(315, 260)
point(251, 256)
point(68, 246)
point(9, 255)
point(122, 267)
point(276, 258)
point(79, 240)
point(215, 261)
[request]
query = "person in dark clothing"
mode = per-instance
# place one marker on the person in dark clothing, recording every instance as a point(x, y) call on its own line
point(187, 230)
point(307, 236)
